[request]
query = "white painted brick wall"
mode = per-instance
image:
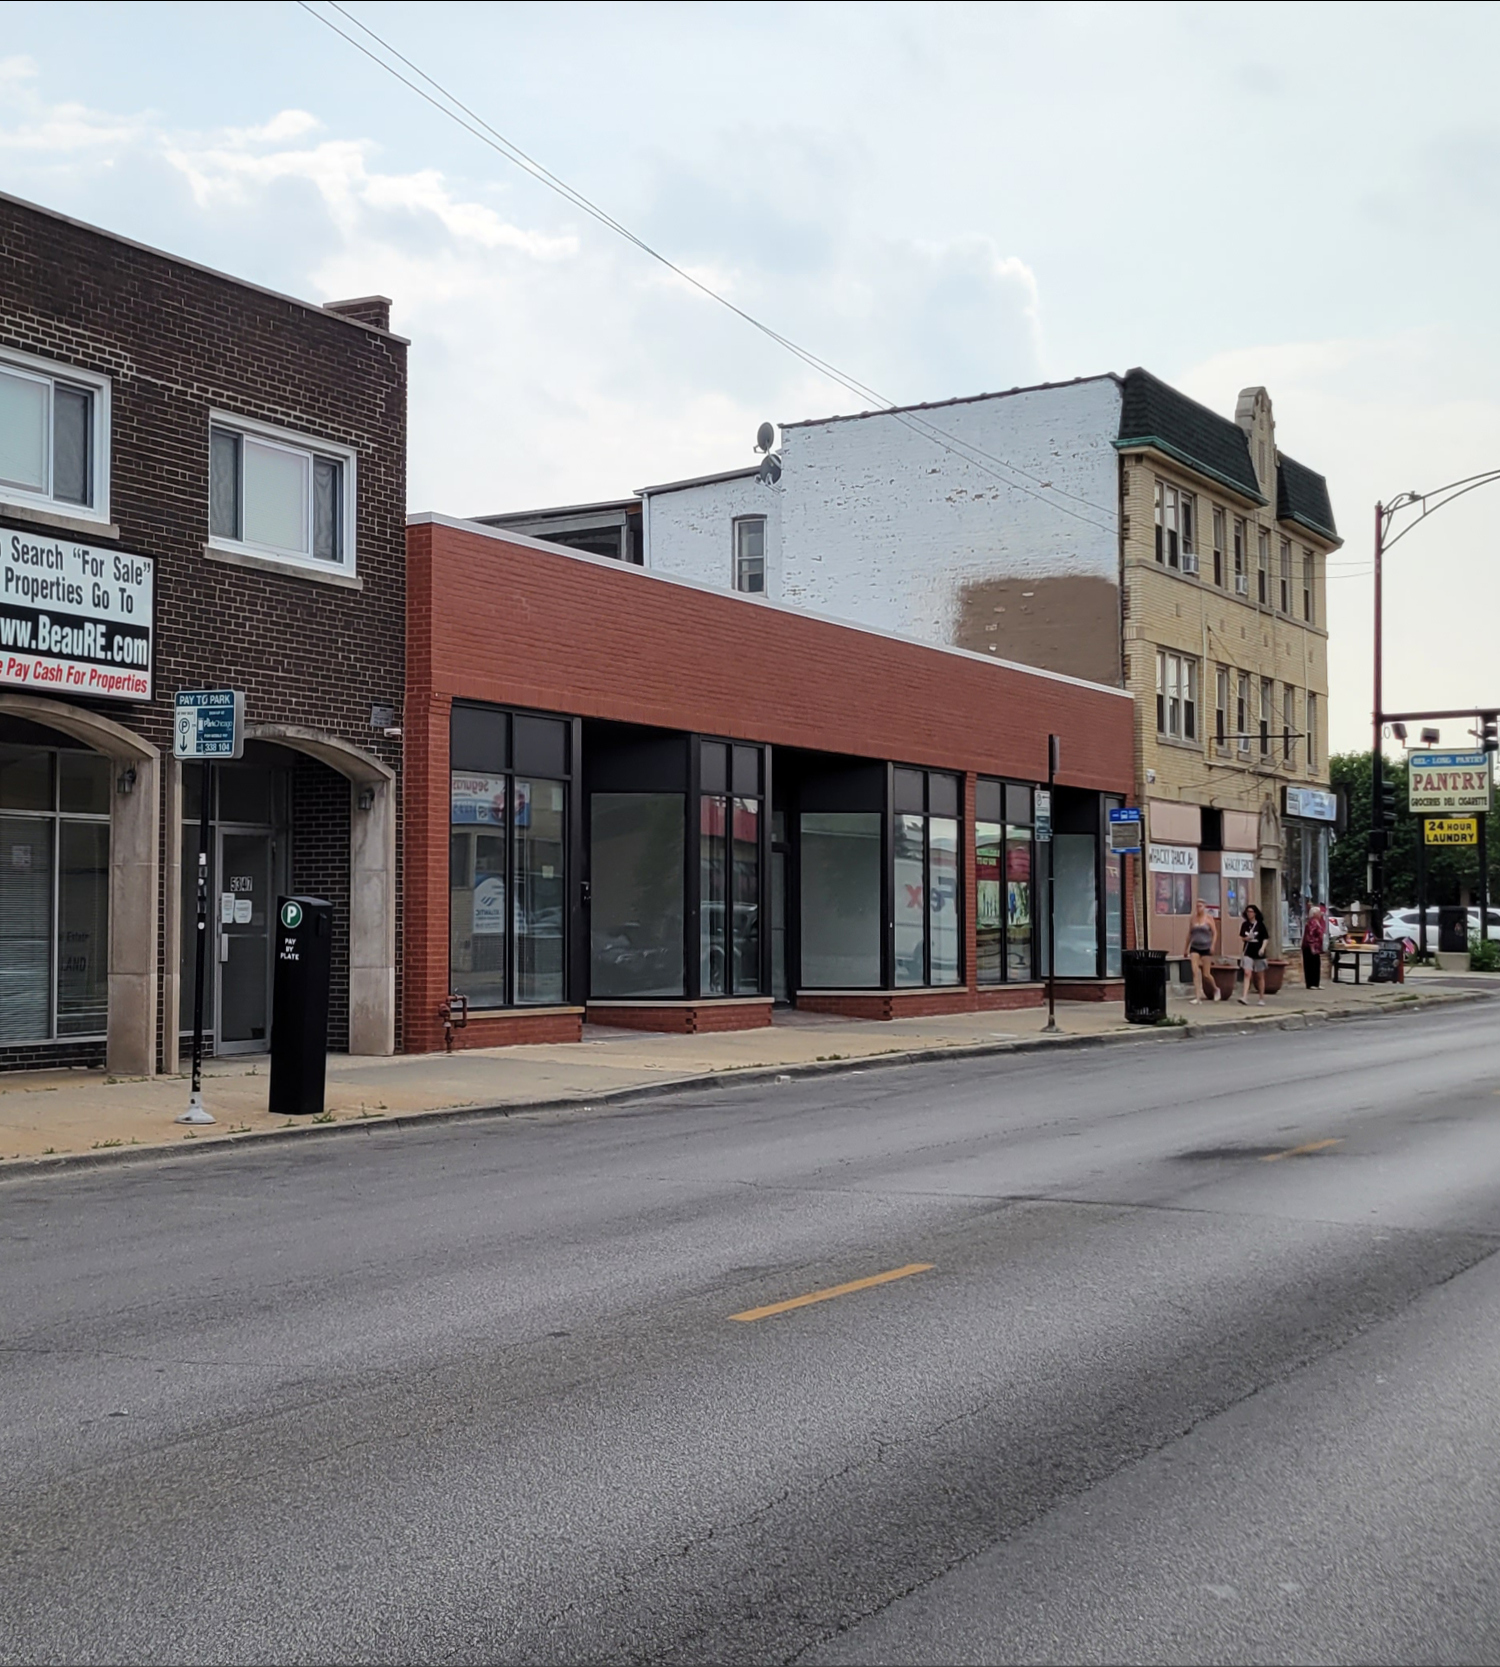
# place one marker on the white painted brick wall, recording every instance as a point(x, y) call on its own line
point(882, 525)
point(690, 533)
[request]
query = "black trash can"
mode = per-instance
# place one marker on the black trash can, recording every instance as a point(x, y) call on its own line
point(1145, 985)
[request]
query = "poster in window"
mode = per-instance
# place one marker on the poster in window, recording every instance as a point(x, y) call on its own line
point(489, 906)
point(478, 799)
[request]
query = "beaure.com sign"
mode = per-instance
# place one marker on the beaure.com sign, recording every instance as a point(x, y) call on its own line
point(74, 619)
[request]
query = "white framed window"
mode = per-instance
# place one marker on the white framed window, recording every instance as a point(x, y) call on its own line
point(1167, 534)
point(1221, 708)
point(1285, 554)
point(1219, 547)
point(1241, 576)
point(1176, 696)
point(1312, 729)
point(1289, 724)
point(1267, 717)
point(281, 495)
point(1242, 711)
point(750, 554)
point(1187, 518)
point(1307, 585)
point(54, 437)
point(1263, 567)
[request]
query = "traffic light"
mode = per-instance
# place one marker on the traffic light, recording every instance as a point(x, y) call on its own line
point(1487, 736)
point(1383, 816)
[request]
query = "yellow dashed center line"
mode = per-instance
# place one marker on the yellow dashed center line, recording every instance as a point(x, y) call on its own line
point(1302, 1151)
point(833, 1291)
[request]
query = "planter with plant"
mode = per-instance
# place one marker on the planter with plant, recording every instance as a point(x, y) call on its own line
point(1484, 954)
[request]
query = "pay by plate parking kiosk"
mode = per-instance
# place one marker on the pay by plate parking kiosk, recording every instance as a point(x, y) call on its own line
point(299, 1006)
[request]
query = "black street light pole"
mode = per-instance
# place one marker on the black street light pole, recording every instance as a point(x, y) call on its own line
point(1425, 503)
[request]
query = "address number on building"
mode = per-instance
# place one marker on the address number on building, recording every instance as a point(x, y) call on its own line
point(74, 619)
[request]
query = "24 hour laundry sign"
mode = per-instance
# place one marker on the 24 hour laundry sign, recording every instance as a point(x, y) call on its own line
point(74, 619)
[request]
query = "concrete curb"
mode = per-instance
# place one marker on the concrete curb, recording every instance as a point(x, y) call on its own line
point(672, 1087)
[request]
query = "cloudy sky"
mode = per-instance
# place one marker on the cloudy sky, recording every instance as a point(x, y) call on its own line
point(941, 200)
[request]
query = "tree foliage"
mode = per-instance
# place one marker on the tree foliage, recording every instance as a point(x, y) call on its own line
point(1452, 870)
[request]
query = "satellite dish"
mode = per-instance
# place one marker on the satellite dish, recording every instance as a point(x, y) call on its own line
point(765, 437)
point(770, 470)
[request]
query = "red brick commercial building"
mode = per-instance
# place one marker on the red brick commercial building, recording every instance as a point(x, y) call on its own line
point(649, 802)
point(202, 485)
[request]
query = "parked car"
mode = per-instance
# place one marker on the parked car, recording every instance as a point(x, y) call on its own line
point(1406, 923)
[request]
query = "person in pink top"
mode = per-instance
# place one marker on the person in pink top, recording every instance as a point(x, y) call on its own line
point(1314, 941)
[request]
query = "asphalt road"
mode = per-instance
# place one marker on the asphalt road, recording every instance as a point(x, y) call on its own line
point(475, 1392)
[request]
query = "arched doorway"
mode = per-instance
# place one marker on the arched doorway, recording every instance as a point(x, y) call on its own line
point(305, 812)
point(85, 846)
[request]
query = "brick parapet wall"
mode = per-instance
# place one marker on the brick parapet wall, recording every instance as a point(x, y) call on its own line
point(493, 621)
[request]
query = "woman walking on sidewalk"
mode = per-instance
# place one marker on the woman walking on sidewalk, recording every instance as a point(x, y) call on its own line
point(1314, 938)
point(1203, 930)
point(1254, 935)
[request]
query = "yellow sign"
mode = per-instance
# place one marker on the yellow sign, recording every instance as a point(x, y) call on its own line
point(1451, 830)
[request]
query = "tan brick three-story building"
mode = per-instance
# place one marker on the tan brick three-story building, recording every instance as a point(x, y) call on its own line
point(1224, 543)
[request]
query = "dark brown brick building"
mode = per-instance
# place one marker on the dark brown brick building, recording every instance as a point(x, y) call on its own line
point(202, 485)
point(665, 806)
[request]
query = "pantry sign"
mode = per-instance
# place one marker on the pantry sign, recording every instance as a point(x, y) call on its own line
point(1449, 782)
point(74, 619)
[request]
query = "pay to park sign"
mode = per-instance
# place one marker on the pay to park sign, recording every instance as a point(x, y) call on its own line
point(74, 619)
point(1449, 783)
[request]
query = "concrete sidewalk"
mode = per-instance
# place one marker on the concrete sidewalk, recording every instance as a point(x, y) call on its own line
point(64, 1117)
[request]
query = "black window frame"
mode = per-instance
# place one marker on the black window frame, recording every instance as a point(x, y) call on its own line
point(510, 770)
point(926, 813)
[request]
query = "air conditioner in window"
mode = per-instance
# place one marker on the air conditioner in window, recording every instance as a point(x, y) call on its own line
point(1242, 584)
point(1189, 561)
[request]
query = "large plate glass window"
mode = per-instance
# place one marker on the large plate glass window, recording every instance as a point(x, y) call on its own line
point(54, 893)
point(1002, 905)
point(274, 495)
point(729, 812)
point(925, 848)
point(53, 436)
point(507, 858)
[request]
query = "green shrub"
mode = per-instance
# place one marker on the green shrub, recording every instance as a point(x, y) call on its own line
point(1484, 954)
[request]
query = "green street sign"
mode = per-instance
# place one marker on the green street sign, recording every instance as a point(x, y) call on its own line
point(291, 915)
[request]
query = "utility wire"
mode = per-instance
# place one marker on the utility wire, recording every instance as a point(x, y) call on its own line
point(456, 111)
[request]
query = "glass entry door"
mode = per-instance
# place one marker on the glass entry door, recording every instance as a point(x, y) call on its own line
point(245, 902)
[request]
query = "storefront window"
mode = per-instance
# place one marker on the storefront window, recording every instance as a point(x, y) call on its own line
point(925, 878)
point(537, 875)
point(1019, 956)
point(989, 898)
point(54, 893)
point(637, 872)
point(911, 900)
point(1076, 902)
point(729, 869)
point(840, 910)
point(508, 869)
point(942, 881)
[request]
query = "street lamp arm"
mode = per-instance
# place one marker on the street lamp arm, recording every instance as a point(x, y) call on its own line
point(1431, 502)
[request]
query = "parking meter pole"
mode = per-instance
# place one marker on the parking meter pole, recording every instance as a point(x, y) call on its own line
point(196, 1112)
point(1422, 889)
point(1053, 747)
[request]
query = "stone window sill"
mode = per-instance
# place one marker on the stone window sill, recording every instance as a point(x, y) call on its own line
point(78, 524)
point(286, 569)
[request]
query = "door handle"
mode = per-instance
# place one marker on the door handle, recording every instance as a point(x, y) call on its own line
point(223, 946)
